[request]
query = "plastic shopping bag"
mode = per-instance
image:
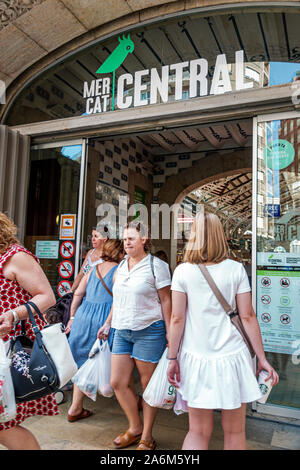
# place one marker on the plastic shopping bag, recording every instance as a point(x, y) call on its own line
point(180, 404)
point(87, 376)
point(104, 357)
point(159, 393)
point(8, 409)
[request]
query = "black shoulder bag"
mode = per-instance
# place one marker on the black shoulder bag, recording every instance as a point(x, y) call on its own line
point(33, 372)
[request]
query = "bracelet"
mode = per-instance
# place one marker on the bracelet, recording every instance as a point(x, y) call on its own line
point(72, 318)
point(172, 358)
point(16, 317)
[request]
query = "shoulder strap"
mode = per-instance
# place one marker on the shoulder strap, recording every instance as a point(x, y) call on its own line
point(101, 279)
point(152, 265)
point(215, 289)
point(36, 309)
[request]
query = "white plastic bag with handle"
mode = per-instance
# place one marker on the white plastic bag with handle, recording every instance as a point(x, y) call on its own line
point(159, 393)
point(104, 357)
point(8, 409)
point(87, 376)
point(180, 404)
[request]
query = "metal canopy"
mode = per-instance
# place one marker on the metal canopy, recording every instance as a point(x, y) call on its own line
point(231, 199)
point(199, 138)
point(263, 36)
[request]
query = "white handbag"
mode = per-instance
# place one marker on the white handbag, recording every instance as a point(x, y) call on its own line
point(57, 345)
point(8, 409)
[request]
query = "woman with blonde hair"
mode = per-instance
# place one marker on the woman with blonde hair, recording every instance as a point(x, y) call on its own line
point(214, 369)
point(21, 279)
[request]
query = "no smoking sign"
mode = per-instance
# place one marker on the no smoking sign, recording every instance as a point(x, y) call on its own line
point(66, 269)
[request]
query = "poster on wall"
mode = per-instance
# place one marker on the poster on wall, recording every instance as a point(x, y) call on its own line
point(278, 300)
point(67, 227)
point(47, 249)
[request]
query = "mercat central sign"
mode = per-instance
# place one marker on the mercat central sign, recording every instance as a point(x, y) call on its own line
point(146, 87)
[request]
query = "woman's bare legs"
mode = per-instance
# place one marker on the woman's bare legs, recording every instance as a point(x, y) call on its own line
point(121, 380)
point(146, 370)
point(18, 438)
point(234, 424)
point(201, 424)
point(77, 402)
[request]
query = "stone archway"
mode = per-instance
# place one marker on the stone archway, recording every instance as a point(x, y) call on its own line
point(208, 169)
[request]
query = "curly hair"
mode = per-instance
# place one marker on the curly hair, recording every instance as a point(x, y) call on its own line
point(8, 233)
point(112, 250)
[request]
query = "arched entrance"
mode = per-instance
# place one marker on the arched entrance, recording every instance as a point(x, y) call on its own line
point(231, 171)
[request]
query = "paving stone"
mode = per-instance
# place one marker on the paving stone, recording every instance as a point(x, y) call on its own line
point(108, 421)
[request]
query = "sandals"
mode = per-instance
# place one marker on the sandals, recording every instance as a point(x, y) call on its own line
point(84, 414)
point(146, 445)
point(127, 439)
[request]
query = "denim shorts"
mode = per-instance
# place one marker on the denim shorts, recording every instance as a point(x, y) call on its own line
point(145, 345)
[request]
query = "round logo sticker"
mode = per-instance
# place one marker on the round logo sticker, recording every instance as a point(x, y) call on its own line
point(279, 154)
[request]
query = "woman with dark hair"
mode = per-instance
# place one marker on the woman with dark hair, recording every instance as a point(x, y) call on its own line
point(140, 315)
point(90, 308)
point(21, 279)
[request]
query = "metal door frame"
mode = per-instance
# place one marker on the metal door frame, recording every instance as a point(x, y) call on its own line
point(81, 189)
point(269, 409)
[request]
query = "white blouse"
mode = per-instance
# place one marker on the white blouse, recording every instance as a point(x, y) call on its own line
point(136, 302)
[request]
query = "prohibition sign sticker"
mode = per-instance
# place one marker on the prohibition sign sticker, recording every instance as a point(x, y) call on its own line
point(285, 319)
point(66, 269)
point(266, 317)
point(266, 299)
point(67, 249)
point(284, 282)
point(63, 287)
point(266, 282)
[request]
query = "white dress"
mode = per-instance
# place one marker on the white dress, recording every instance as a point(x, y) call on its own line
point(215, 365)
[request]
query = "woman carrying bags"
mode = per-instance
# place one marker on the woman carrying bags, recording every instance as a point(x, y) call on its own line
point(214, 369)
point(21, 279)
point(90, 308)
point(140, 315)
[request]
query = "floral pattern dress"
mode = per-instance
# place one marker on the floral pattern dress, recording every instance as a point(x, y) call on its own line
point(12, 295)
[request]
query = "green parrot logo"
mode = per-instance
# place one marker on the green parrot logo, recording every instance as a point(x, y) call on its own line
point(116, 59)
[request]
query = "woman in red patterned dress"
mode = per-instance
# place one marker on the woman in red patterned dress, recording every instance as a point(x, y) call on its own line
point(21, 279)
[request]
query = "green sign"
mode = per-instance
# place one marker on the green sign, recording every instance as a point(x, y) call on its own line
point(116, 59)
point(279, 154)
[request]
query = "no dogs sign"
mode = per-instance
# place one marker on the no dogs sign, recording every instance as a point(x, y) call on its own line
point(67, 249)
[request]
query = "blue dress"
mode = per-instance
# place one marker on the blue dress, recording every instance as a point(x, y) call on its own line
point(90, 316)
